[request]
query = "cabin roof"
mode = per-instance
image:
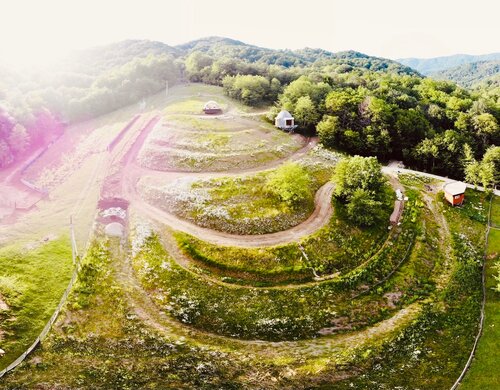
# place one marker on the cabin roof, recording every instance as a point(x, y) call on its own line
point(455, 188)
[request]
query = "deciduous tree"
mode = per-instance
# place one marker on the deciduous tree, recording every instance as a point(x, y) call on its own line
point(290, 183)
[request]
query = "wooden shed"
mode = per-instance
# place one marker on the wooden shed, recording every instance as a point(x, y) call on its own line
point(396, 213)
point(212, 108)
point(454, 192)
point(284, 121)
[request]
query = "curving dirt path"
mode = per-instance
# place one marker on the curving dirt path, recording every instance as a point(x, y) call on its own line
point(132, 172)
point(320, 217)
point(395, 170)
point(332, 346)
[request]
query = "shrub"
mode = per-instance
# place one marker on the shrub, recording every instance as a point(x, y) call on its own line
point(362, 209)
point(291, 183)
point(358, 173)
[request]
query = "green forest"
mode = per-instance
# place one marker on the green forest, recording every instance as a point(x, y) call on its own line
point(471, 75)
point(356, 103)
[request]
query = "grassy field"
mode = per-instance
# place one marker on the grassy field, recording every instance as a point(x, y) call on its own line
point(32, 280)
point(494, 242)
point(202, 125)
point(234, 205)
point(188, 141)
point(192, 106)
point(220, 146)
point(483, 373)
point(104, 340)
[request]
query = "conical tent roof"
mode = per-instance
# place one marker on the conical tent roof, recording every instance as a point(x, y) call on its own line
point(284, 115)
point(211, 105)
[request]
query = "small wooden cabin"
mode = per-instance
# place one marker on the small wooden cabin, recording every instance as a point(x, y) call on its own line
point(454, 192)
point(212, 108)
point(284, 121)
point(396, 213)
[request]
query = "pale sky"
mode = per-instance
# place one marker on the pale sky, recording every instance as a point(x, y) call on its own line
point(387, 28)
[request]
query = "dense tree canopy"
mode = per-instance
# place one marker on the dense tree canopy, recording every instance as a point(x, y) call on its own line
point(359, 184)
point(485, 172)
point(363, 208)
point(492, 156)
point(357, 173)
point(16, 139)
point(251, 90)
point(422, 121)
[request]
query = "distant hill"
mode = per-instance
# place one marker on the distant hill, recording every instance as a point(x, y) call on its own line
point(93, 81)
point(436, 64)
point(491, 84)
point(218, 47)
point(468, 75)
point(102, 58)
point(206, 43)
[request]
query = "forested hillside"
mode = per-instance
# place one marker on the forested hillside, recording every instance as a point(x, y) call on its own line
point(469, 75)
point(426, 123)
point(92, 82)
point(217, 47)
point(436, 64)
point(87, 84)
point(490, 87)
point(357, 103)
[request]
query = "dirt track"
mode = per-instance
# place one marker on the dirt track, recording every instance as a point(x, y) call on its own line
point(391, 170)
point(320, 217)
point(332, 345)
point(131, 173)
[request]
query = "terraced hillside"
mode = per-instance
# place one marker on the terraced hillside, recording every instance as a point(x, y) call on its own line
point(216, 283)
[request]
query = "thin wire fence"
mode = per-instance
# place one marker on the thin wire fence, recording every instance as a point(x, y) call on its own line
point(483, 303)
point(62, 302)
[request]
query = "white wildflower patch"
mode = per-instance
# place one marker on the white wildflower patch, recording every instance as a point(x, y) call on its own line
point(185, 308)
point(280, 149)
point(326, 154)
point(141, 232)
point(165, 265)
point(416, 353)
point(211, 211)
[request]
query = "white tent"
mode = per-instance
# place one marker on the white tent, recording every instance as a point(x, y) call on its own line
point(284, 120)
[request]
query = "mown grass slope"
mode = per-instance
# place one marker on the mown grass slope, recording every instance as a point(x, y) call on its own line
point(483, 372)
point(31, 284)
